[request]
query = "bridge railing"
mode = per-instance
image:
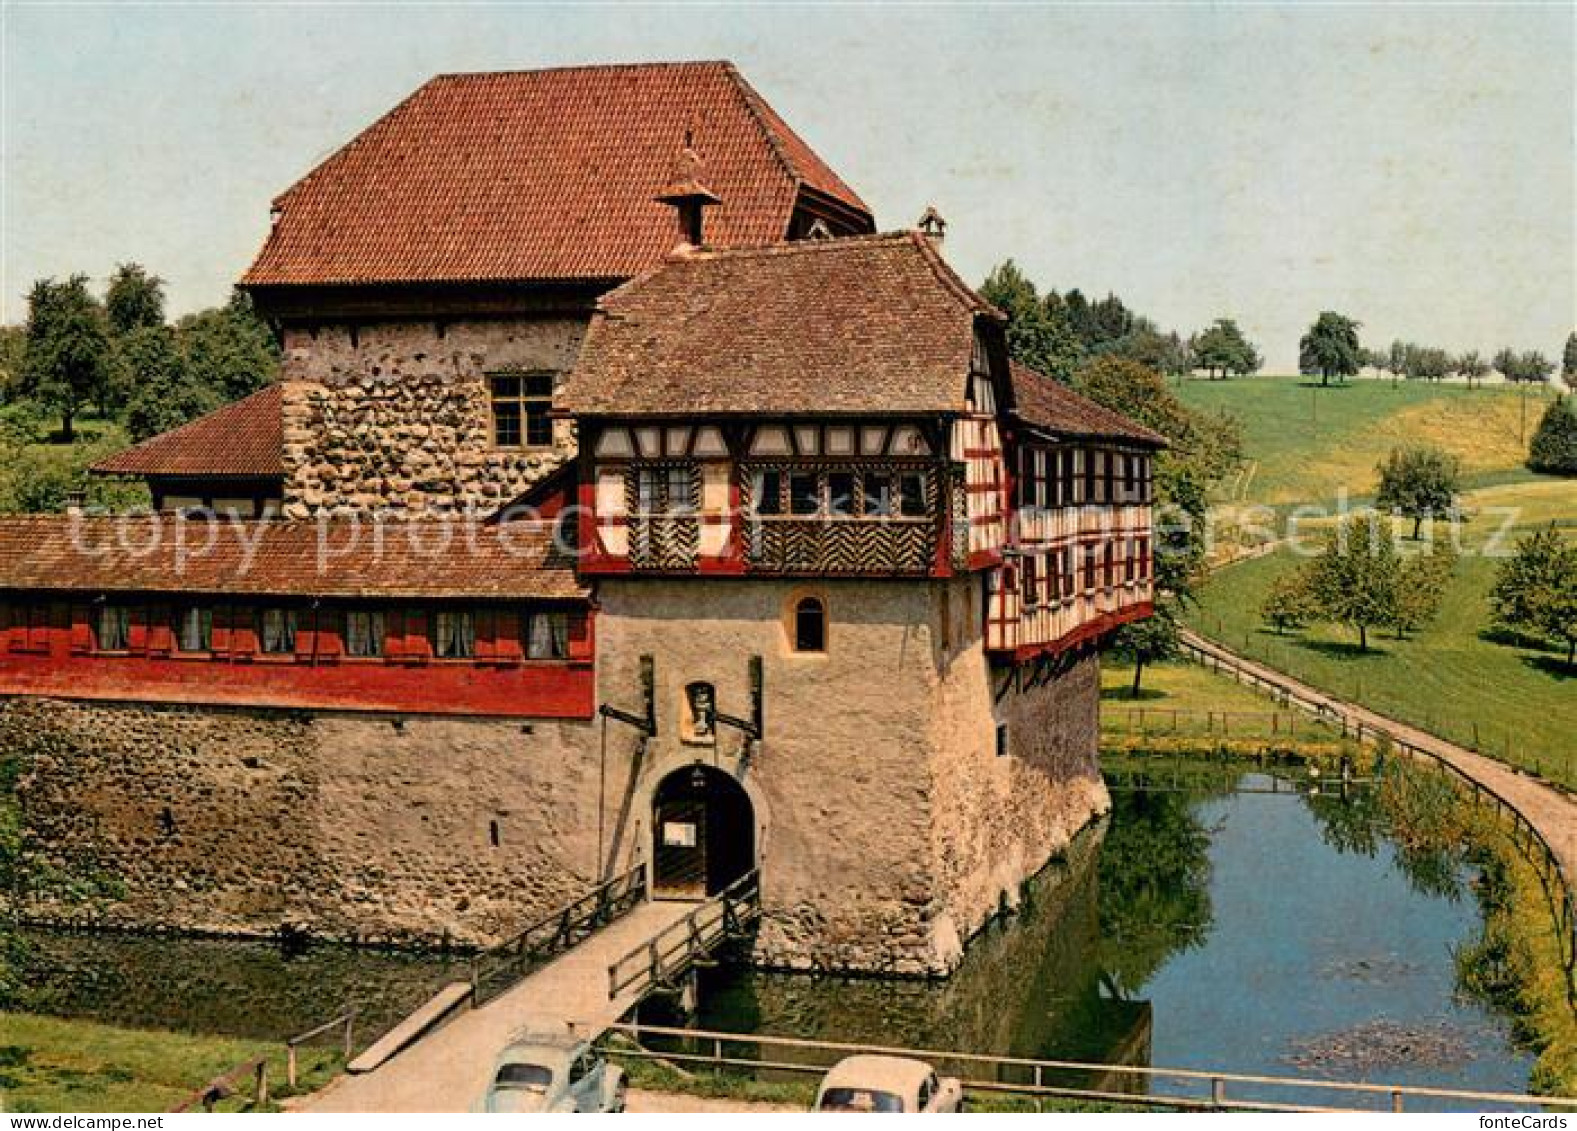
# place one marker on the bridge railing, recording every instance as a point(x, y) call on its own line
point(1127, 1084)
point(500, 967)
point(674, 949)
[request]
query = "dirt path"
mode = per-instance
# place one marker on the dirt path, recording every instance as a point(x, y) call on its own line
point(1552, 813)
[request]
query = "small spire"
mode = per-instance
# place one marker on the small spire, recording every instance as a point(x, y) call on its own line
point(931, 225)
point(687, 192)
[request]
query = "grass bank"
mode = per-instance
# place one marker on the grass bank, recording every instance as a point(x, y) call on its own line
point(57, 1064)
point(1183, 704)
point(1455, 677)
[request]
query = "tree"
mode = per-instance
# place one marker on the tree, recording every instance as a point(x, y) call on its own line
point(1148, 641)
point(1535, 590)
point(1471, 366)
point(1554, 447)
point(1422, 586)
point(67, 359)
point(134, 299)
point(1396, 359)
point(228, 349)
point(1356, 579)
point(1534, 368)
point(1330, 348)
point(1288, 603)
point(1419, 483)
point(1428, 363)
point(1569, 361)
point(13, 348)
point(163, 393)
point(1505, 363)
point(1038, 332)
point(1223, 349)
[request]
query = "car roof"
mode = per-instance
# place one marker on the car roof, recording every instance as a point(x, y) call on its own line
point(546, 1051)
point(883, 1073)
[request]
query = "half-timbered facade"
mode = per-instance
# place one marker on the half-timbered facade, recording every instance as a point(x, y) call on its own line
point(623, 499)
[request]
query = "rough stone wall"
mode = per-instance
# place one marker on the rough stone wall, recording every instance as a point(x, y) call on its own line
point(1000, 817)
point(840, 781)
point(241, 821)
point(396, 416)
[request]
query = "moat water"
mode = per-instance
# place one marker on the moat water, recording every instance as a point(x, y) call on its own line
point(1205, 926)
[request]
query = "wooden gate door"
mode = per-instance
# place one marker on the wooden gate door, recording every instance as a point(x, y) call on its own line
point(679, 862)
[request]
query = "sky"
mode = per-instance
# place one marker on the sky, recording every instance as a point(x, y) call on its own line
point(1413, 166)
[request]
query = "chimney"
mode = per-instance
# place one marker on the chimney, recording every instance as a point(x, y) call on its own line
point(932, 226)
point(686, 191)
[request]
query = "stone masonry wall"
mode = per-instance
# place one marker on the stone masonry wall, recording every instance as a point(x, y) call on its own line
point(396, 415)
point(1000, 817)
point(839, 785)
point(244, 821)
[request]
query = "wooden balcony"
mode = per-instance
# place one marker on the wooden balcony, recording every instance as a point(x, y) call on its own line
point(846, 546)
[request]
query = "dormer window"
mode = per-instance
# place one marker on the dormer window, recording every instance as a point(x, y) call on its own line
point(521, 404)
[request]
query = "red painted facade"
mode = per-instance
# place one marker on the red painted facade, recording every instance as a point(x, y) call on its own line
point(49, 649)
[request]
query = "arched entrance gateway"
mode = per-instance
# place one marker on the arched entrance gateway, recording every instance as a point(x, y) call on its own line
point(703, 832)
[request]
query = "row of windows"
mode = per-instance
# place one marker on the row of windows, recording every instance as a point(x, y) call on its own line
point(1064, 573)
point(1071, 476)
point(838, 493)
point(446, 633)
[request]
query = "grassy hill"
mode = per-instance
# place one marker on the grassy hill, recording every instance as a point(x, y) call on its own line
point(1455, 678)
point(1305, 442)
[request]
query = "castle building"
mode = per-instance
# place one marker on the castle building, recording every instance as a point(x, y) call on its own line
point(624, 498)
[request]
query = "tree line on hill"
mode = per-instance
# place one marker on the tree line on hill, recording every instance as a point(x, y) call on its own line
point(117, 356)
point(1331, 349)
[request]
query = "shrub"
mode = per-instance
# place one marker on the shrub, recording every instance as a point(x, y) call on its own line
point(1554, 446)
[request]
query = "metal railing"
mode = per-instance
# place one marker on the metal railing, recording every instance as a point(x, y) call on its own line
point(674, 949)
point(1560, 883)
point(1190, 1089)
point(498, 968)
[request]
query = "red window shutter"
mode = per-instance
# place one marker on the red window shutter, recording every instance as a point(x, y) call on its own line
point(580, 636)
point(394, 634)
point(418, 645)
point(486, 622)
point(224, 620)
point(81, 629)
point(243, 632)
point(328, 627)
point(160, 640)
point(507, 647)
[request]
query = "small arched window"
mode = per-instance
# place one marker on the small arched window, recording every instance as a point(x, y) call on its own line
point(810, 625)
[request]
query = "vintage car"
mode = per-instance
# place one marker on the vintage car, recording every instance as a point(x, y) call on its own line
point(552, 1074)
point(887, 1084)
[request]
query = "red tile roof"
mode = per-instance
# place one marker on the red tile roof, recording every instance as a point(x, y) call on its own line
point(868, 324)
point(1044, 402)
point(241, 440)
point(163, 554)
point(541, 175)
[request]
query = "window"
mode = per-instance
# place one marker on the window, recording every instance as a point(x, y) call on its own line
point(911, 495)
point(1003, 745)
point(1030, 579)
point(546, 635)
point(766, 492)
point(276, 631)
point(521, 404)
point(840, 493)
point(363, 633)
point(804, 493)
point(454, 634)
point(193, 629)
point(665, 490)
point(112, 628)
point(810, 625)
point(878, 495)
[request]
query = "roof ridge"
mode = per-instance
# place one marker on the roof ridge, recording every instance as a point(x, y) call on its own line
point(655, 64)
point(752, 99)
point(949, 278)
